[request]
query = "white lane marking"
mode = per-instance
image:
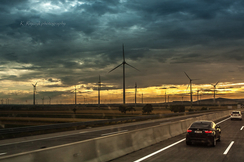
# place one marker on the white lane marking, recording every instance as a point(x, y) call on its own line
point(113, 133)
point(3, 153)
point(228, 148)
point(83, 132)
point(223, 120)
point(159, 151)
point(41, 139)
point(169, 146)
point(242, 127)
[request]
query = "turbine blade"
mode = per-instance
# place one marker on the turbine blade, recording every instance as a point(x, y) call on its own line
point(187, 76)
point(36, 84)
point(115, 68)
point(217, 83)
point(132, 66)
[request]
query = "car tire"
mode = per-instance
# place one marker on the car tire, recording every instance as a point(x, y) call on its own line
point(188, 143)
point(213, 142)
point(218, 139)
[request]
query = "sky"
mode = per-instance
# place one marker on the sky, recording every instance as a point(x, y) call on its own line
point(66, 43)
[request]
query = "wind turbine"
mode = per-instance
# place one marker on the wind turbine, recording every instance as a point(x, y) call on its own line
point(190, 86)
point(7, 101)
point(99, 88)
point(43, 100)
point(214, 85)
point(34, 93)
point(123, 63)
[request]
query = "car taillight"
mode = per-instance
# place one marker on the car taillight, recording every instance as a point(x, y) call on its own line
point(208, 131)
point(189, 130)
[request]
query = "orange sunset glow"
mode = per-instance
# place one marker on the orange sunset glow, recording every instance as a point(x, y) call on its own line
point(66, 44)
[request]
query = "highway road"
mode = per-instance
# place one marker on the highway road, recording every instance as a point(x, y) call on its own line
point(229, 149)
point(25, 144)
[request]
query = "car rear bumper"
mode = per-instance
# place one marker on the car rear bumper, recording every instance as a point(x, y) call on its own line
point(236, 117)
point(207, 139)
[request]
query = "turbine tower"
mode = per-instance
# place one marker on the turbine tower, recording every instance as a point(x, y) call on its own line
point(198, 101)
point(75, 95)
point(123, 63)
point(135, 93)
point(190, 86)
point(214, 85)
point(142, 98)
point(99, 88)
point(34, 94)
point(165, 95)
point(49, 100)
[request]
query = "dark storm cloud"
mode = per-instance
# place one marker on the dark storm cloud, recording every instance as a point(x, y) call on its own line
point(47, 94)
point(236, 54)
point(52, 80)
point(201, 9)
point(188, 58)
point(10, 56)
point(162, 88)
point(179, 32)
point(103, 88)
point(7, 6)
point(9, 77)
point(207, 90)
point(55, 85)
point(100, 8)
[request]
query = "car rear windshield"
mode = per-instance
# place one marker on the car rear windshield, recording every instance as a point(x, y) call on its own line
point(201, 125)
point(235, 112)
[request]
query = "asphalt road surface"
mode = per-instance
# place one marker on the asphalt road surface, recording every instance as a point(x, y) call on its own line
point(20, 145)
point(229, 149)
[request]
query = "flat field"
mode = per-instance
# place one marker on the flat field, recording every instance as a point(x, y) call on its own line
point(47, 115)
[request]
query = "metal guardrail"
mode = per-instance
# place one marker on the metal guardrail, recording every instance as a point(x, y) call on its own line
point(89, 123)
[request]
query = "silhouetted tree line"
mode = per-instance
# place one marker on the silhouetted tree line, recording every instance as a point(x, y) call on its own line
point(124, 108)
point(177, 108)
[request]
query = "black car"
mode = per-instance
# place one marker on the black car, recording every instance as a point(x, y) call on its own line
point(203, 132)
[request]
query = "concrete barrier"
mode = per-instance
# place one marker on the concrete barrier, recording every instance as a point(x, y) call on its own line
point(161, 133)
point(73, 152)
point(175, 128)
point(114, 146)
point(142, 138)
point(186, 123)
point(109, 147)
